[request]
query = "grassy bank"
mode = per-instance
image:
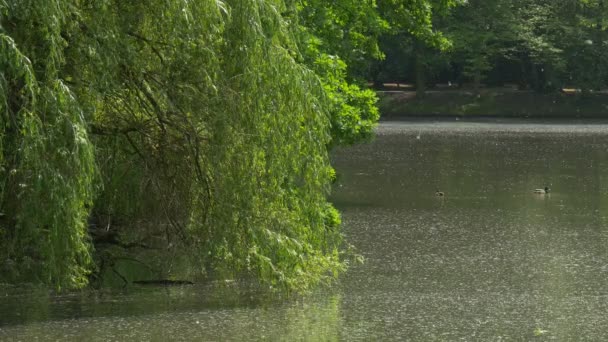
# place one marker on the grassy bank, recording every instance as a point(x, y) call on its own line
point(494, 103)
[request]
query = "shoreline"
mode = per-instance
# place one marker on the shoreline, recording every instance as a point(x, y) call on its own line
point(496, 119)
point(492, 104)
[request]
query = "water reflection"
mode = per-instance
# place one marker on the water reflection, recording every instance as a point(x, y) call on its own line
point(182, 313)
point(489, 261)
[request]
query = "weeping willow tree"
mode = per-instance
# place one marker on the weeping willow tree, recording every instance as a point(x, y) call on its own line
point(184, 125)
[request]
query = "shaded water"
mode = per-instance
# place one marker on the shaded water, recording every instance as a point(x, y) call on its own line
point(489, 261)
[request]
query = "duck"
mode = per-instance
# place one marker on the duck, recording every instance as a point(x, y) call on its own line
point(542, 191)
point(439, 193)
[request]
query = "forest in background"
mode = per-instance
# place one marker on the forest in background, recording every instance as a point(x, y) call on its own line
point(539, 45)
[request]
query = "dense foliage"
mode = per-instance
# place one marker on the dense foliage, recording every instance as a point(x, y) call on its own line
point(188, 130)
point(203, 132)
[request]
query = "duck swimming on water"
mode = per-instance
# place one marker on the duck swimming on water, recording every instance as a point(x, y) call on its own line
point(542, 191)
point(439, 193)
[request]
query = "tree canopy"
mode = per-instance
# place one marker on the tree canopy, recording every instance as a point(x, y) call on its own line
point(206, 126)
point(195, 130)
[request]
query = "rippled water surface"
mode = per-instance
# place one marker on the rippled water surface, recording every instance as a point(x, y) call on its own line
point(489, 261)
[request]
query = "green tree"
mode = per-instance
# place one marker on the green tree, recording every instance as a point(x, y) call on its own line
point(413, 45)
point(481, 32)
point(583, 40)
point(210, 139)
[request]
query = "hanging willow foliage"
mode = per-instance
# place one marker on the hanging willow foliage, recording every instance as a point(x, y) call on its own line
point(47, 159)
point(276, 169)
point(208, 135)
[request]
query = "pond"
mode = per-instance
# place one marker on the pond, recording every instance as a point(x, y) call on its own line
point(488, 261)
